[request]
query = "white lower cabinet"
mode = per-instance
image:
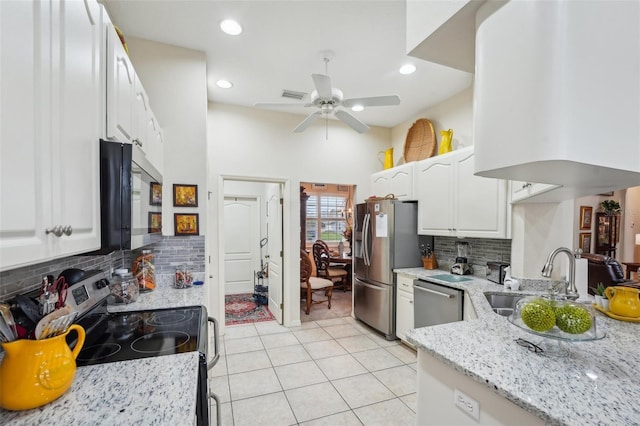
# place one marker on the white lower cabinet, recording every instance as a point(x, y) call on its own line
point(51, 125)
point(404, 307)
point(439, 387)
point(452, 201)
point(397, 181)
point(468, 311)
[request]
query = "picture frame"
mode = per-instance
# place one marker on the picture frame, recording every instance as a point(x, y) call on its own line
point(185, 195)
point(585, 242)
point(155, 222)
point(186, 224)
point(155, 194)
point(586, 216)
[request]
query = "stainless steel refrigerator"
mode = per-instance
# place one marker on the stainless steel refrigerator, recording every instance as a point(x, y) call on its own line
point(385, 238)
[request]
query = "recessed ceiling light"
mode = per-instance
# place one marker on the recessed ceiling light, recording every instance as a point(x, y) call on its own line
point(407, 69)
point(357, 108)
point(231, 27)
point(224, 84)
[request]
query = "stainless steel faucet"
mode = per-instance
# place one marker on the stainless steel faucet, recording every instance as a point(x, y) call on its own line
point(571, 290)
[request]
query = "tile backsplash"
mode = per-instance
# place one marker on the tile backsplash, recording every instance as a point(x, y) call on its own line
point(169, 253)
point(483, 250)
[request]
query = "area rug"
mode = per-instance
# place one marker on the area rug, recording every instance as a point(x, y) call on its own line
point(243, 309)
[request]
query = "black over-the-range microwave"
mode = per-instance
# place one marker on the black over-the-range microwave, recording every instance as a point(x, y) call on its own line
point(130, 198)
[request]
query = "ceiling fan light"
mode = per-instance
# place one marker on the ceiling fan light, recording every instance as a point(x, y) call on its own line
point(231, 27)
point(407, 69)
point(224, 84)
point(357, 108)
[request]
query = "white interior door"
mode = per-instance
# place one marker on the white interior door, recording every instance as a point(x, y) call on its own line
point(274, 232)
point(241, 243)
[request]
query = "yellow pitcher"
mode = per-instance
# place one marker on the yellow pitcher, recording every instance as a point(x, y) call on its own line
point(387, 160)
point(36, 372)
point(623, 301)
point(445, 141)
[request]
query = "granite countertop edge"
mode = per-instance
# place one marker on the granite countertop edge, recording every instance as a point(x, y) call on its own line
point(487, 358)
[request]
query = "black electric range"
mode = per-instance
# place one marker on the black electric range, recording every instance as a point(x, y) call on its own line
point(122, 336)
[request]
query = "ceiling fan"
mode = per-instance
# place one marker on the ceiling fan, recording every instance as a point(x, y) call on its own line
point(328, 100)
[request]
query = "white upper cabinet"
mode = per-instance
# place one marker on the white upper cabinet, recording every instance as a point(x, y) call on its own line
point(452, 201)
point(443, 32)
point(522, 192)
point(52, 97)
point(147, 134)
point(396, 180)
point(556, 95)
point(121, 96)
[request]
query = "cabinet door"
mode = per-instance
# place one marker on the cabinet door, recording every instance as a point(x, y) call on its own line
point(404, 314)
point(519, 190)
point(402, 182)
point(480, 203)
point(77, 87)
point(120, 90)
point(404, 306)
point(435, 196)
point(25, 153)
point(142, 118)
point(381, 184)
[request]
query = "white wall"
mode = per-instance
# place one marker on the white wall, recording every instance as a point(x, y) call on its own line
point(176, 83)
point(455, 113)
point(247, 142)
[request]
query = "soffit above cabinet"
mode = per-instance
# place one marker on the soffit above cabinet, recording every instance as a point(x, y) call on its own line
point(444, 32)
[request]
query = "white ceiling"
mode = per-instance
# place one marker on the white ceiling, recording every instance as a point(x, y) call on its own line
point(281, 44)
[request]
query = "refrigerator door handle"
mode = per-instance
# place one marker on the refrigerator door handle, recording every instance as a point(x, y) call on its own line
point(365, 239)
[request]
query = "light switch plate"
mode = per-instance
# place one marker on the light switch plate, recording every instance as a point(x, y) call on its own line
point(467, 404)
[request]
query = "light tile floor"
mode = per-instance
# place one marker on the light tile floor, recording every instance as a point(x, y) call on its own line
point(326, 372)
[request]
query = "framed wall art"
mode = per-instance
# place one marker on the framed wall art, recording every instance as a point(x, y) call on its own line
point(585, 242)
point(186, 224)
point(155, 222)
point(155, 194)
point(185, 195)
point(586, 214)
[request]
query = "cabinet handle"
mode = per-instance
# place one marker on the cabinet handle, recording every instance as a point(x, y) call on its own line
point(56, 230)
point(67, 230)
point(411, 301)
point(137, 142)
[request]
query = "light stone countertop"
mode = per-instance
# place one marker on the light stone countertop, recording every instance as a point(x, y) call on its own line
point(596, 384)
point(151, 391)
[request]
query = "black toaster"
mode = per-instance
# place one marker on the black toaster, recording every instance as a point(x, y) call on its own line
point(496, 271)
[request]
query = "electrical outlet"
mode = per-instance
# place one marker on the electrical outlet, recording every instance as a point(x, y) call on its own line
point(467, 404)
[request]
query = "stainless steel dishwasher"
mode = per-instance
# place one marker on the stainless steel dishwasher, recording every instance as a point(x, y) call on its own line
point(436, 304)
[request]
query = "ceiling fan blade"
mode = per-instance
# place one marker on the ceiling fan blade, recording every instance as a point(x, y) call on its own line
point(307, 122)
point(351, 121)
point(372, 101)
point(323, 85)
point(279, 104)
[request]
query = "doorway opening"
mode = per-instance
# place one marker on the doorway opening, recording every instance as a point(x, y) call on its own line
point(326, 213)
point(251, 241)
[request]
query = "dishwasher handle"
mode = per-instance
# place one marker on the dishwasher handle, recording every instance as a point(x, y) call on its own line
point(438, 293)
point(216, 352)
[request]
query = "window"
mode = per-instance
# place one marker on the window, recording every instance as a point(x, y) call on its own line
point(326, 218)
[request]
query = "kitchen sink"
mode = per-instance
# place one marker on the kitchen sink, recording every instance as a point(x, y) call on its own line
point(502, 304)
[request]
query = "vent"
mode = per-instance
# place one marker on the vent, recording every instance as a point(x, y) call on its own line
point(292, 94)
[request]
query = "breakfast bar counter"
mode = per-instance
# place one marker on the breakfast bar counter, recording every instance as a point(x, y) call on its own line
point(597, 383)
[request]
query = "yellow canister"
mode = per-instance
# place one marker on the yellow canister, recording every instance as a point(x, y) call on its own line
point(36, 372)
point(445, 141)
point(387, 158)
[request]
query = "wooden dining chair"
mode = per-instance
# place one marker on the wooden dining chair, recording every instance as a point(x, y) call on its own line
point(321, 257)
point(309, 284)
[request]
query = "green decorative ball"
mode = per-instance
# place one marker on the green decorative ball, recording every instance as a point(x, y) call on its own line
point(538, 315)
point(573, 319)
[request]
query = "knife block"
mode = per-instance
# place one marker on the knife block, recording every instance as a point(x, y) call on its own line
point(430, 262)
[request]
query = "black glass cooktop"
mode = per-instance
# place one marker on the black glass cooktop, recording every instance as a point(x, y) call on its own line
point(140, 334)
